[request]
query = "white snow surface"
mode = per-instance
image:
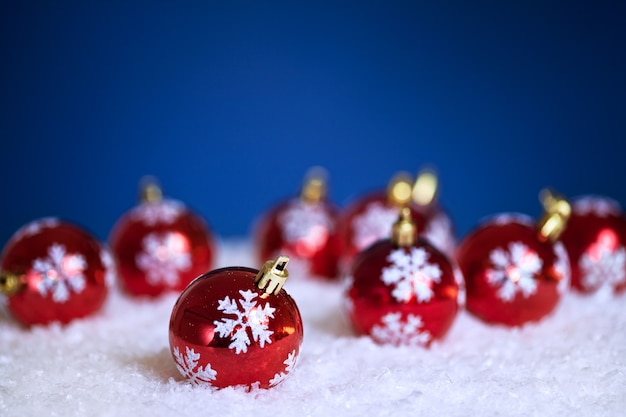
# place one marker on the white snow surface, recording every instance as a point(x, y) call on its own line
point(118, 363)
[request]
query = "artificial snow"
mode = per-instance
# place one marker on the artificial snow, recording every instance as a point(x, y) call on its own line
point(118, 363)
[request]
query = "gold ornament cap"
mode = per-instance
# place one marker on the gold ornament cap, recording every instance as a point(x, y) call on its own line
point(404, 229)
point(150, 190)
point(273, 275)
point(400, 189)
point(557, 211)
point(10, 283)
point(314, 188)
point(425, 187)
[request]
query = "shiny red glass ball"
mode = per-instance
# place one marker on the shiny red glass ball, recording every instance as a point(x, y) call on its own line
point(161, 246)
point(224, 331)
point(403, 295)
point(64, 272)
point(595, 239)
point(306, 232)
point(511, 276)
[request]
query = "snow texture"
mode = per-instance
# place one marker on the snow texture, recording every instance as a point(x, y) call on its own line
point(118, 363)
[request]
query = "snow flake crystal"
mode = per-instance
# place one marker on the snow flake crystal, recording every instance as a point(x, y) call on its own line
point(411, 273)
point(60, 272)
point(395, 331)
point(373, 224)
point(163, 257)
point(514, 271)
point(290, 363)
point(188, 367)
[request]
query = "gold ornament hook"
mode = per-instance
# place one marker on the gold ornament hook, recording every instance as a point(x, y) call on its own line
point(399, 190)
point(425, 187)
point(404, 229)
point(273, 275)
point(149, 190)
point(314, 187)
point(557, 211)
point(10, 283)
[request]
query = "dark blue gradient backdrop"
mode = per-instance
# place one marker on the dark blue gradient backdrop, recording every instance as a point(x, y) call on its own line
point(230, 102)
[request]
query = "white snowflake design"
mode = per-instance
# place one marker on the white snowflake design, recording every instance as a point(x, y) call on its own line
point(252, 317)
point(438, 231)
point(411, 273)
point(36, 227)
point(514, 271)
point(562, 267)
point(109, 267)
point(373, 224)
point(307, 223)
point(599, 206)
point(604, 262)
point(163, 257)
point(60, 273)
point(163, 211)
point(393, 330)
point(290, 363)
point(188, 367)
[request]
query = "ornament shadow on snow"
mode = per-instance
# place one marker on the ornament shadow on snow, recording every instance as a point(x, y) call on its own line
point(237, 326)
point(160, 245)
point(370, 218)
point(516, 270)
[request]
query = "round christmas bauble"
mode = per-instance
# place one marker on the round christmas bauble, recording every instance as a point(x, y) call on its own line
point(595, 239)
point(160, 245)
point(235, 326)
point(515, 271)
point(402, 290)
point(370, 218)
point(303, 228)
point(54, 271)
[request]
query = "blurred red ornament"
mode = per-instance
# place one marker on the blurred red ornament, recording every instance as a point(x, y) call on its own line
point(54, 271)
point(515, 270)
point(402, 290)
point(595, 239)
point(160, 245)
point(236, 327)
point(370, 218)
point(303, 228)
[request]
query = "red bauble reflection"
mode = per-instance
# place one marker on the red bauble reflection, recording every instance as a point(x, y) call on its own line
point(62, 270)
point(161, 246)
point(595, 240)
point(304, 231)
point(224, 331)
point(511, 276)
point(403, 295)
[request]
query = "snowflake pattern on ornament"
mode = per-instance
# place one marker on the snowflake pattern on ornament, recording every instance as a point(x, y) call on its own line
point(411, 273)
point(163, 257)
point(188, 367)
point(251, 317)
point(305, 222)
point(164, 211)
point(109, 267)
point(514, 271)
point(599, 206)
point(36, 227)
point(562, 267)
point(60, 273)
point(373, 224)
point(604, 262)
point(290, 364)
point(394, 331)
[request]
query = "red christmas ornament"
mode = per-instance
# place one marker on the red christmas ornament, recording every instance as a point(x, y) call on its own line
point(236, 327)
point(53, 271)
point(595, 239)
point(370, 218)
point(515, 270)
point(303, 228)
point(160, 245)
point(403, 291)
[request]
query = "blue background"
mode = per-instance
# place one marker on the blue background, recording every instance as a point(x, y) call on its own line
point(229, 103)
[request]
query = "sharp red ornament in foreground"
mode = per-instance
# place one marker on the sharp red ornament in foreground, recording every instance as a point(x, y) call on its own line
point(54, 271)
point(303, 228)
point(236, 326)
point(370, 218)
point(160, 245)
point(402, 290)
point(515, 270)
point(595, 240)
